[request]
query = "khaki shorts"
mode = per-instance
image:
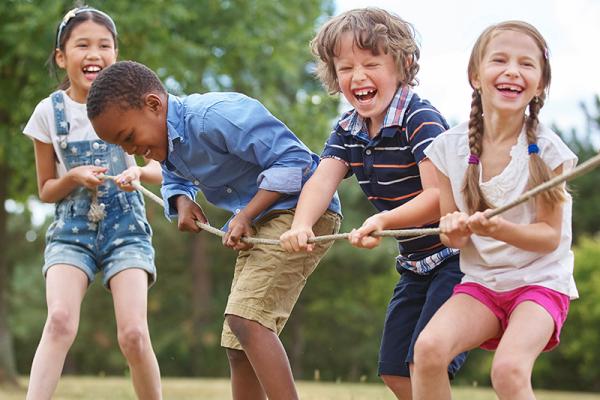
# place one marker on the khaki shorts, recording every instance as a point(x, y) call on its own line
point(267, 280)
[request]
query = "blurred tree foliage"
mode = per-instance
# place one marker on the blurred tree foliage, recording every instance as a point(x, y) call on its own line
point(260, 48)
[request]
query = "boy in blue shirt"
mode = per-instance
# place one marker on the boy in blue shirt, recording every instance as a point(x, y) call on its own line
point(371, 57)
point(243, 160)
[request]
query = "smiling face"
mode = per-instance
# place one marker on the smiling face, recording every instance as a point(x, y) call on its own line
point(368, 81)
point(510, 73)
point(89, 49)
point(140, 131)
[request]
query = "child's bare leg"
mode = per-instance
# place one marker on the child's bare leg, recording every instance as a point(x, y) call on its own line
point(529, 330)
point(399, 385)
point(461, 324)
point(130, 289)
point(244, 383)
point(267, 357)
point(65, 289)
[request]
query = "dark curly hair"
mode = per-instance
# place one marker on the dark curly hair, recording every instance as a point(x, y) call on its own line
point(124, 83)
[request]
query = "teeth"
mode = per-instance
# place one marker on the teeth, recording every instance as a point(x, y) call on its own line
point(509, 87)
point(91, 68)
point(147, 153)
point(363, 92)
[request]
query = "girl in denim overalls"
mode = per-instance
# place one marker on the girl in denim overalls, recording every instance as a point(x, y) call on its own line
point(100, 225)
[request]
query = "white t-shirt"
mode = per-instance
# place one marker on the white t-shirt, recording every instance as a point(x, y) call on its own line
point(41, 126)
point(492, 263)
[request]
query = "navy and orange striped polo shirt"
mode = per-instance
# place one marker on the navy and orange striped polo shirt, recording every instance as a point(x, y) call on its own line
point(386, 166)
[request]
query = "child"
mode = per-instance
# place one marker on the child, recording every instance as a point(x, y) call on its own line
point(371, 56)
point(97, 227)
point(246, 161)
point(518, 267)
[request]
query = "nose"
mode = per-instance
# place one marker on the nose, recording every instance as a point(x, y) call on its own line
point(512, 70)
point(358, 74)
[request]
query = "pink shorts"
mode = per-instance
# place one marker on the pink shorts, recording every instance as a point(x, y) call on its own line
point(502, 304)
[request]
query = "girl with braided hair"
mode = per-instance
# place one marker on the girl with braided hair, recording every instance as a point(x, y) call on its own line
point(518, 282)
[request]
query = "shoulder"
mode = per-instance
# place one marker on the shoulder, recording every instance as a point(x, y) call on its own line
point(420, 110)
point(454, 139)
point(552, 148)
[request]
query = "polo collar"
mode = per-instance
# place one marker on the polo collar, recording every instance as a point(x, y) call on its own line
point(353, 123)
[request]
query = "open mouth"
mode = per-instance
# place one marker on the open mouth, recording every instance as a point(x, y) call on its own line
point(91, 71)
point(509, 89)
point(364, 94)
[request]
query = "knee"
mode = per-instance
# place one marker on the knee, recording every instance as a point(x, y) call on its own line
point(399, 385)
point(430, 354)
point(133, 341)
point(236, 357)
point(61, 325)
point(509, 376)
point(242, 328)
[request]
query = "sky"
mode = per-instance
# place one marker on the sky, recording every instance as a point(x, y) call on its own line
point(447, 31)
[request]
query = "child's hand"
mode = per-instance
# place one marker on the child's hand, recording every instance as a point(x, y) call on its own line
point(239, 226)
point(189, 212)
point(296, 239)
point(455, 229)
point(361, 237)
point(480, 224)
point(124, 179)
point(87, 175)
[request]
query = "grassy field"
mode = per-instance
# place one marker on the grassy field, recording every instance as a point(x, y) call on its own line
point(91, 388)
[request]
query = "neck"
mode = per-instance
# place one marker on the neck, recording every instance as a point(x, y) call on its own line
point(499, 127)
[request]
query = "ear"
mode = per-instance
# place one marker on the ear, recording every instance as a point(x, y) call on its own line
point(59, 58)
point(154, 102)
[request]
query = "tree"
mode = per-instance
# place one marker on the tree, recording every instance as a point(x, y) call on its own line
point(257, 47)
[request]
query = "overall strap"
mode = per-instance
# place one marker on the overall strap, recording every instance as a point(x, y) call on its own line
point(60, 118)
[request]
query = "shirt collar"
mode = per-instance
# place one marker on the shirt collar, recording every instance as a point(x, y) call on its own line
point(353, 123)
point(175, 117)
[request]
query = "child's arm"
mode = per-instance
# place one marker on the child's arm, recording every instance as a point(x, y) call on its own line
point(422, 209)
point(52, 189)
point(453, 223)
point(543, 235)
point(149, 173)
point(241, 224)
point(313, 202)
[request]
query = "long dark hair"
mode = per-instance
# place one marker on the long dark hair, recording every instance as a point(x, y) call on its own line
point(70, 21)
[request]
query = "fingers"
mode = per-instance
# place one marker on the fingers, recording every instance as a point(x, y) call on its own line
point(296, 240)
point(362, 237)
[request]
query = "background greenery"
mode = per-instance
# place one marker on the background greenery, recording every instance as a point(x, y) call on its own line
point(260, 48)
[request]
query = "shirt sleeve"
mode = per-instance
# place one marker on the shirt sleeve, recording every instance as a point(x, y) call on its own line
point(173, 185)
point(334, 148)
point(422, 126)
point(38, 126)
point(435, 153)
point(555, 152)
point(245, 128)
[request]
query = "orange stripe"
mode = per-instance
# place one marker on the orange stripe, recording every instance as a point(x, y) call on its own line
point(356, 164)
point(425, 123)
point(432, 247)
point(394, 198)
point(394, 165)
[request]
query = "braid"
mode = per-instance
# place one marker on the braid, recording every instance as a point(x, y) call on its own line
point(471, 191)
point(539, 172)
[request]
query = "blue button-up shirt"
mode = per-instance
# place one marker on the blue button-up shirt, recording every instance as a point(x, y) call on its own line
point(229, 146)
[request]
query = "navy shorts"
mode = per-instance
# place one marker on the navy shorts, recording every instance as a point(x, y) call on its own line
point(416, 298)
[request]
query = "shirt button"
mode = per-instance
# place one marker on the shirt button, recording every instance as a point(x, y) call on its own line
point(368, 152)
point(63, 145)
point(97, 161)
point(95, 145)
point(196, 182)
point(237, 210)
point(228, 190)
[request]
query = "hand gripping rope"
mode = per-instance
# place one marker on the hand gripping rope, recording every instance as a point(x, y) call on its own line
point(583, 168)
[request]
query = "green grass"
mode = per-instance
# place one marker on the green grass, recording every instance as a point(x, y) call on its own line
point(111, 388)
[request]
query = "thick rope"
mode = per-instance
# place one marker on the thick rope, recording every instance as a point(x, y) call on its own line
point(557, 180)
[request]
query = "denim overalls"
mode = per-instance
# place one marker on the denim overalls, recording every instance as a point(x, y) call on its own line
point(121, 239)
